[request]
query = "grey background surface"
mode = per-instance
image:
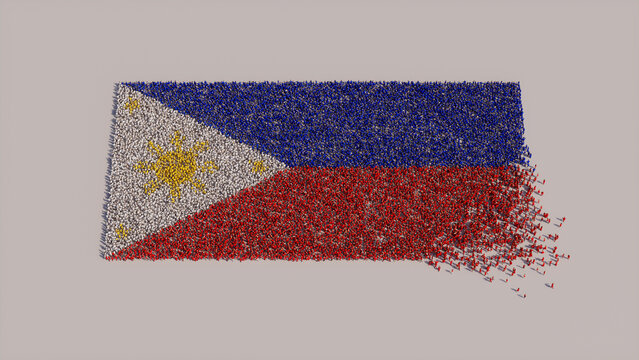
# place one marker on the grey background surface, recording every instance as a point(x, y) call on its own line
point(577, 64)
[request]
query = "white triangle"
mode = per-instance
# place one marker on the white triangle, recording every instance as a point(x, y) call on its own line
point(132, 213)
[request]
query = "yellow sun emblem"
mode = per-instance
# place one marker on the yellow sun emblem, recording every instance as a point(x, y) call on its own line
point(176, 167)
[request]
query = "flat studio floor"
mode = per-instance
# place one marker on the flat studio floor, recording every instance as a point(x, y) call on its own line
point(59, 61)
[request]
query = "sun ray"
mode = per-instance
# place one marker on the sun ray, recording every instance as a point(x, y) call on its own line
point(151, 186)
point(198, 185)
point(177, 141)
point(208, 166)
point(156, 148)
point(175, 192)
point(200, 146)
point(145, 166)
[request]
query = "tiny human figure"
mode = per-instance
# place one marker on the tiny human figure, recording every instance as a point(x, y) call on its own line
point(552, 286)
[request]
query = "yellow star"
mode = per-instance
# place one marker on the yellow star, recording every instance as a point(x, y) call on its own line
point(132, 104)
point(259, 167)
point(122, 232)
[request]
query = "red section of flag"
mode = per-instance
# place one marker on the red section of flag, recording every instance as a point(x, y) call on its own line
point(447, 214)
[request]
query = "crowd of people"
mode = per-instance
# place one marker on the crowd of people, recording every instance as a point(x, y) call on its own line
point(360, 124)
point(481, 219)
point(458, 190)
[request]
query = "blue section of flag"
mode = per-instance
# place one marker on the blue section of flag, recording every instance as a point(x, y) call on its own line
point(384, 124)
